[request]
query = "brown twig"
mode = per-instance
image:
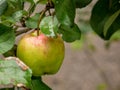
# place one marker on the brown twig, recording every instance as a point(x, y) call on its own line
point(23, 21)
point(48, 6)
point(22, 31)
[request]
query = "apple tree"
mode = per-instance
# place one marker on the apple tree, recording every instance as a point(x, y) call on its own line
point(56, 19)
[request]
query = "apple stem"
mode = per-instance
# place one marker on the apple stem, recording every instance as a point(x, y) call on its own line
point(40, 18)
point(48, 6)
point(37, 32)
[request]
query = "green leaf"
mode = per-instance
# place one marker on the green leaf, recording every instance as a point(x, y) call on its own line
point(49, 26)
point(37, 84)
point(32, 21)
point(35, 1)
point(82, 3)
point(7, 20)
point(11, 52)
point(3, 6)
point(102, 87)
point(13, 6)
point(107, 21)
point(11, 73)
point(115, 36)
point(7, 38)
point(70, 34)
point(19, 14)
point(110, 21)
point(43, 1)
point(78, 44)
point(15, 17)
point(7, 89)
point(20, 4)
point(65, 11)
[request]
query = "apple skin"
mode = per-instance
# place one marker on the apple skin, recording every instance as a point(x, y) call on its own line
point(44, 55)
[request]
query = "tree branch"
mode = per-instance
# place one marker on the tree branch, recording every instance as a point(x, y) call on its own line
point(22, 31)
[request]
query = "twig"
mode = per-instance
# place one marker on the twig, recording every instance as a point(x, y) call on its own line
point(31, 9)
point(22, 31)
point(49, 12)
point(23, 21)
point(50, 4)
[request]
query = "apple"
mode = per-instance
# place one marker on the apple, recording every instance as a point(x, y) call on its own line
point(44, 55)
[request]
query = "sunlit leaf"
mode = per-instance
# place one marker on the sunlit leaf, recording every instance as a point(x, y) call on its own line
point(49, 26)
point(12, 74)
point(110, 21)
point(19, 14)
point(106, 22)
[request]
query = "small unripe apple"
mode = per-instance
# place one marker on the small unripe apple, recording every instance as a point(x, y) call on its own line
point(44, 55)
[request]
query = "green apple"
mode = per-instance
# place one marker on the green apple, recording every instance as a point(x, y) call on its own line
point(44, 55)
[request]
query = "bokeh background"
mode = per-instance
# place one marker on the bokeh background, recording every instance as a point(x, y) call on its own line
point(90, 63)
